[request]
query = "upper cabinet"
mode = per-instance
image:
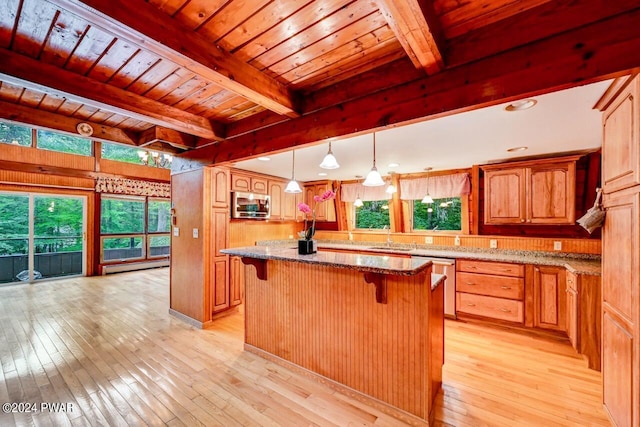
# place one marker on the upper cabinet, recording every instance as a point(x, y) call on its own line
point(621, 139)
point(535, 192)
point(325, 211)
point(248, 183)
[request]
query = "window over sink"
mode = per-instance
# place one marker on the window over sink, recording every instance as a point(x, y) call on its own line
point(442, 214)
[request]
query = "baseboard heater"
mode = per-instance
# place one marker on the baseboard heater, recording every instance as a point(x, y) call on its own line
point(132, 266)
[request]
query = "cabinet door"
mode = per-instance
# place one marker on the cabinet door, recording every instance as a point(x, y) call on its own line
point(550, 298)
point(290, 205)
point(572, 309)
point(621, 141)
point(236, 281)
point(620, 284)
point(551, 194)
point(504, 196)
point(220, 188)
point(276, 190)
point(220, 285)
point(240, 182)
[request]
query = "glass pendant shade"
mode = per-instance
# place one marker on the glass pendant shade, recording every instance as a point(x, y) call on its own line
point(293, 186)
point(329, 161)
point(358, 202)
point(427, 199)
point(373, 179)
point(391, 189)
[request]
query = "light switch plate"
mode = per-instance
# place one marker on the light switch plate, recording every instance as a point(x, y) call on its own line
point(557, 246)
point(176, 231)
point(428, 240)
point(195, 233)
point(493, 243)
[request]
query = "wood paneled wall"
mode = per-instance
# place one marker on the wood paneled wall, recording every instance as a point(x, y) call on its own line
point(327, 320)
point(113, 167)
point(583, 246)
point(248, 232)
point(37, 156)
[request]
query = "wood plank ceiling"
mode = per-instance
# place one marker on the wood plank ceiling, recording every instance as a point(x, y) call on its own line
point(230, 79)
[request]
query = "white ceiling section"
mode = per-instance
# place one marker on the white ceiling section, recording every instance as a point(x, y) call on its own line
point(561, 121)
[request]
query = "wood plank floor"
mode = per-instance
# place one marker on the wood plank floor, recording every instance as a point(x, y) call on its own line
point(107, 348)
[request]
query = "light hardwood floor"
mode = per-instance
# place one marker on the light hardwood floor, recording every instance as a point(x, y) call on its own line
point(108, 346)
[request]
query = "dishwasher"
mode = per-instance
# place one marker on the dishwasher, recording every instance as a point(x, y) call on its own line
point(448, 268)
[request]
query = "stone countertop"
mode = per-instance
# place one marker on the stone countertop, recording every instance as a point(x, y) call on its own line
point(366, 263)
point(437, 280)
point(576, 263)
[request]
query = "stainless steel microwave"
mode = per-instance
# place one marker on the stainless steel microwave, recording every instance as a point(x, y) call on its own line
point(250, 205)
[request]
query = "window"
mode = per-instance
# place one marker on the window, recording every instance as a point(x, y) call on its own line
point(122, 215)
point(442, 214)
point(158, 216)
point(120, 153)
point(372, 214)
point(134, 228)
point(64, 143)
point(14, 134)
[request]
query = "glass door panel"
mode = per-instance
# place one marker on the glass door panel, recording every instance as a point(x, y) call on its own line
point(58, 237)
point(14, 238)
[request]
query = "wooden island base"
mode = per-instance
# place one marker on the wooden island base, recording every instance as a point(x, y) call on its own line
point(325, 321)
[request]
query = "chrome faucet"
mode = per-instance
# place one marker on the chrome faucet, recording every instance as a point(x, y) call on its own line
point(389, 241)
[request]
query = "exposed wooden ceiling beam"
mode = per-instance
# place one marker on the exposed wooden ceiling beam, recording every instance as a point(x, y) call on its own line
point(417, 29)
point(166, 136)
point(591, 53)
point(141, 23)
point(533, 24)
point(23, 71)
point(58, 122)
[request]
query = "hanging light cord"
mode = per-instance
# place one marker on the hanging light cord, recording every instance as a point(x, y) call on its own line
point(293, 165)
point(374, 150)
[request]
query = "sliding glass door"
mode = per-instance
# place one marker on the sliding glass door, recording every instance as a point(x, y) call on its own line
point(41, 237)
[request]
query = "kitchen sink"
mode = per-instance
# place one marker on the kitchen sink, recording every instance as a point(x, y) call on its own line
point(389, 248)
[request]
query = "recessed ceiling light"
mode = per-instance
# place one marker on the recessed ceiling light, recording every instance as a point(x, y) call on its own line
point(322, 174)
point(394, 165)
point(523, 104)
point(264, 159)
point(514, 149)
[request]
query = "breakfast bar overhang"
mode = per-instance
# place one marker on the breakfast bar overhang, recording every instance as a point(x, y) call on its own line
point(370, 326)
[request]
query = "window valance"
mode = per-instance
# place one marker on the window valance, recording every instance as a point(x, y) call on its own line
point(349, 193)
point(438, 186)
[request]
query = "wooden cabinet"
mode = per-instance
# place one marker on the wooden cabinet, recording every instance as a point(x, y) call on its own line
point(325, 211)
point(530, 192)
point(276, 195)
point(199, 271)
point(583, 316)
point(490, 289)
point(572, 310)
point(236, 281)
point(621, 139)
point(248, 182)
point(290, 206)
point(550, 298)
point(620, 307)
point(620, 251)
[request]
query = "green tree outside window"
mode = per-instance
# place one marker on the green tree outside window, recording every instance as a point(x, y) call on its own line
point(442, 214)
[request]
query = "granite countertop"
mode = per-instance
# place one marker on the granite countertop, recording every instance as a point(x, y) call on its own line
point(354, 261)
point(576, 263)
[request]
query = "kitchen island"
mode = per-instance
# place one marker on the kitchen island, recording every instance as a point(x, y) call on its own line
point(371, 326)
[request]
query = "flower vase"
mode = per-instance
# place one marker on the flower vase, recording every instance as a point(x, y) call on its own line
point(307, 247)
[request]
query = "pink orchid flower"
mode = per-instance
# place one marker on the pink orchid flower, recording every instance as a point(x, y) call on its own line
point(304, 208)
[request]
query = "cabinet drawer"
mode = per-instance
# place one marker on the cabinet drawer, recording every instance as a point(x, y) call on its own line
point(490, 267)
point(487, 284)
point(496, 308)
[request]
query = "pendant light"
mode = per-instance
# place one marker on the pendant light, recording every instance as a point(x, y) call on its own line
point(329, 161)
point(373, 178)
point(358, 202)
point(427, 198)
point(391, 188)
point(293, 186)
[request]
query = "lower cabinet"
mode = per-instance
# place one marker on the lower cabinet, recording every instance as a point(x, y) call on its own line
point(572, 310)
point(550, 298)
point(584, 321)
point(236, 281)
point(490, 289)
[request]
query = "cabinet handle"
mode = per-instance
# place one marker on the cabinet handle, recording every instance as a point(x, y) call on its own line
point(521, 219)
point(528, 220)
point(470, 305)
point(470, 283)
point(504, 310)
point(505, 287)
